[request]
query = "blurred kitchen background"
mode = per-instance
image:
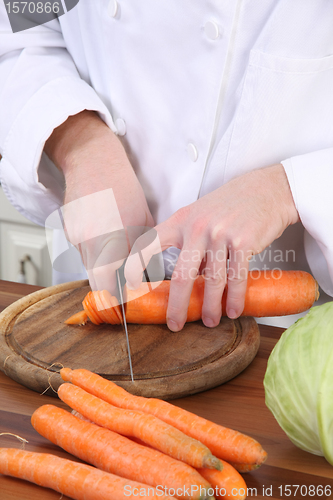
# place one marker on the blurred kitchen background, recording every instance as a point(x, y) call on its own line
point(24, 252)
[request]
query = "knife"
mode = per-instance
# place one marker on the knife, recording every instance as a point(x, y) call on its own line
point(125, 322)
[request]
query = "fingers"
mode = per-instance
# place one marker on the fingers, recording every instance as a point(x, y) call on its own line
point(182, 280)
point(237, 281)
point(196, 244)
point(163, 236)
point(215, 280)
point(186, 271)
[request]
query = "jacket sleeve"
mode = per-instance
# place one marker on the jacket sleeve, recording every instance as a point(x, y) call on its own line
point(39, 88)
point(310, 178)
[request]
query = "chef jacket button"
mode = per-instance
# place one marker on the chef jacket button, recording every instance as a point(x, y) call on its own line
point(212, 30)
point(113, 8)
point(192, 151)
point(120, 126)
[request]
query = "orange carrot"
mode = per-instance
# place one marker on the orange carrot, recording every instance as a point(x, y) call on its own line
point(114, 453)
point(79, 318)
point(279, 293)
point(242, 468)
point(227, 483)
point(141, 425)
point(269, 293)
point(224, 443)
point(100, 307)
point(90, 310)
point(78, 481)
point(105, 304)
point(111, 304)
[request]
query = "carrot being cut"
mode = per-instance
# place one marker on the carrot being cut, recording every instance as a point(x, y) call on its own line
point(90, 310)
point(224, 443)
point(76, 480)
point(141, 425)
point(227, 483)
point(79, 318)
point(117, 454)
point(269, 293)
point(106, 307)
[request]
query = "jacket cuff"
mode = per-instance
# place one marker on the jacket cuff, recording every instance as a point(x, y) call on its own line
point(310, 178)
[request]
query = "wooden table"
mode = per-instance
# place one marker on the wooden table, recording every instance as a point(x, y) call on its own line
point(238, 404)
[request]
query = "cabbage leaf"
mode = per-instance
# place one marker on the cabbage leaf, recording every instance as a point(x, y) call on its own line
point(299, 382)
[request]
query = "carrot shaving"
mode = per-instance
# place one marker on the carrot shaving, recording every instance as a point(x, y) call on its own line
point(90, 310)
point(79, 318)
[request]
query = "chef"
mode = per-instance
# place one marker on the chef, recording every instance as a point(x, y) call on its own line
point(208, 121)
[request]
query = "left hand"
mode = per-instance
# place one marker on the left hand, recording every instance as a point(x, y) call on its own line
point(104, 207)
point(233, 222)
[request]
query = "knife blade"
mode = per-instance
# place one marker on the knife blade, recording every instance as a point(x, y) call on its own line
point(125, 324)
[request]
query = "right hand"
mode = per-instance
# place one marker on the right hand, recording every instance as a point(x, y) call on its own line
point(93, 160)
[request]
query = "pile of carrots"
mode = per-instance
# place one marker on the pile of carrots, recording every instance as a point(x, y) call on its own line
point(269, 293)
point(135, 447)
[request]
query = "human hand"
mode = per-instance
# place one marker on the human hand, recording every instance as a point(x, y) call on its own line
point(103, 196)
point(226, 226)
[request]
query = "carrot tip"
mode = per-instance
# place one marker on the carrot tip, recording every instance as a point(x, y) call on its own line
point(66, 374)
point(243, 468)
point(249, 467)
point(211, 462)
point(263, 457)
point(79, 318)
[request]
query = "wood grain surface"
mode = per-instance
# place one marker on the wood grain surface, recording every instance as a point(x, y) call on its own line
point(35, 342)
point(239, 404)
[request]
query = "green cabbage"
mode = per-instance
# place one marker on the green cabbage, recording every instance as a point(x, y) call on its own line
point(299, 382)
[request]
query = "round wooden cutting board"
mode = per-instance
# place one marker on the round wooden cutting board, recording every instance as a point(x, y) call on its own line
point(35, 343)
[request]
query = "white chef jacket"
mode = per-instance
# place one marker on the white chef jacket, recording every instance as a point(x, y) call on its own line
point(199, 92)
